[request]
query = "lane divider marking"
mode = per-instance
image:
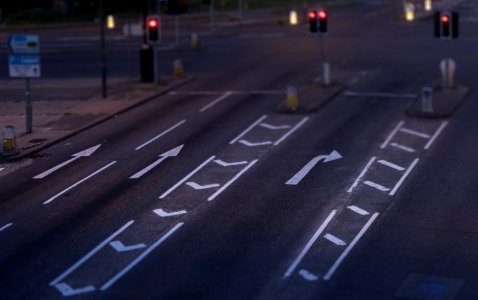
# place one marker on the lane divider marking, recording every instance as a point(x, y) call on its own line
point(307, 275)
point(5, 226)
point(405, 175)
point(250, 144)
point(392, 134)
point(436, 134)
point(226, 164)
point(224, 187)
point(161, 134)
point(334, 240)
point(163, 214)
point(262, 118)
point(415, 133)
point(216, 101)
point(358, 210)
point(120, 247)
point(296, 127)
point(273, 127)
point(403, 147)
point(202, 187)
point(361, 175)
point(377, 186)
point(66, 290)
point(391, 165)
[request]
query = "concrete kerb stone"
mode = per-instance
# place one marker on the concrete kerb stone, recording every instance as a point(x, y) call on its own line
point(67, 134)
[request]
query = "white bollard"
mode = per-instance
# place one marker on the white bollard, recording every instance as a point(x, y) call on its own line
point(427, 100)
point(448, 70)
point(293, 18)
point(326, 74)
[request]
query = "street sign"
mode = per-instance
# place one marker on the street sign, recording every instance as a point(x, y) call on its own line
point(24, 43)
point(24, 66)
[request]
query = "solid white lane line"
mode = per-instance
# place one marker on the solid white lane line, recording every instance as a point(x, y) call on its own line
point(415, 133)
point(436, 134)
point(292, 131)
point(226, 164)
point(350, 247)
point(402, 147)
point(404, 176)
point(358, 210)
point(248, 129)
point(161, 134)
point(377, 186)
point(334, 240)
point(250, 144)
point(309, 244)
point(307, 275)
point(273, 127)
point(216, 101)
point(391, 165)
point(148, 168)
point(6, 226)
point(232, 180)
point(202, 187)
point(392, 134)
point(379, 95)
point(187, 177)
point(138, 259)
point(79, 182)
point(192, 93)
point(361, 175)
point(90, 254)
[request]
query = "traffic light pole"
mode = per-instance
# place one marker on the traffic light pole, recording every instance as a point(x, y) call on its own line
point(102, 51)
point(322, 57)
point(447, 65)
point(28, 106)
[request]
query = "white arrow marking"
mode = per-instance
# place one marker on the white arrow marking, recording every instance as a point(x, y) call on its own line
point(66, 290)
point(201, 187)
point(160, 212)
point(306, 169)
point(272, 127)
point(358, 210)
point(6, 226)
point(84, 153)
point(120, 247)
point(307, 275)
point(225, 164)
point(335, 240)
point(249, 144)
point(171, 153)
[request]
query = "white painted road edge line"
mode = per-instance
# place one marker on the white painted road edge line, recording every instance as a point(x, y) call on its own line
point(232, 180)
point(292, 131)
point(337, 263)
point(248, 129)
point(361, 174)
point(437, 133)
point(138, 259)
point(90, 254)
point(79, 182)
point(161, 134)
point(397, 186)
point(187, 177)
point(309, 244)
point(392, 134)
point(6, 226)
point(216, 101)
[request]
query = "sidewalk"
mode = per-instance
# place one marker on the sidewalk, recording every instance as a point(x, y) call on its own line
point(57, 117)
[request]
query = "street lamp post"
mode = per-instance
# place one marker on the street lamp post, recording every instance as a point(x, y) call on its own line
point(104, 91)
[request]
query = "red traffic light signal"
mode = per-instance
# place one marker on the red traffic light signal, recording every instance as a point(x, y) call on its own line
point(152, 28)
point(312, 16)
point(323, 15)
point(446, 25)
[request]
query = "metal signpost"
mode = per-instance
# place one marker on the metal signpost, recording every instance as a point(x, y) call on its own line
point(24, 62)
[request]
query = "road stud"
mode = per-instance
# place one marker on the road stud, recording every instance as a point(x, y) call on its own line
point(9, 141)
point(178, 68)
point(292, 98)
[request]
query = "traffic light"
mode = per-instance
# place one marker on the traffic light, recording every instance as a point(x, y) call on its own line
point(312, 16)
point(177, 7)
point(446, 25)
point(322, 14)
point(152, 28)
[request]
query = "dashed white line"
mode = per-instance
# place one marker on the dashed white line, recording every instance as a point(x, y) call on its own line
point(231, 181)
point(248, 129)
point(79, 182)
point(377, 186)
point(5, 226)
point(361, 174)
point(216, 101)
point(436, 134)
point(292, 131)
point(251, 144)
point(334, 240)
point(415, 133)
point(392, 134)
point(337, 263)
point(402, 147)
point(391, 165)
point(404, 176)
point(358, 210)
point(309, 244)
point(161, 134)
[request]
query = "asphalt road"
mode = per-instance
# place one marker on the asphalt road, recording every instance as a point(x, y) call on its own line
point(386, 210)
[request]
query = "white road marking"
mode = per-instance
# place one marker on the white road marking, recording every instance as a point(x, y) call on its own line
point(248, 129)
point(208, 93)
point(306, 169)
point(292, 131)
point(187, 177)
point(378, 95)
point(309, 244)
point(5, 226)
point(436, 134)
point(415, 133)
point(202, 187)
point(272, 127)
point(138, 259)
point(392, 134)
point(391, 165)
point(334, 240)
point(120, 247)
point(307, 275)
point(171, 153)
point(402, 147)
point(377, 186)
point(84, 153)
point(90, 254)
point(357, 78)
point(397, 186)
point(224, 187)
point(161, 134)
point(163, 214)
point(205, 93)
point(335, 266)
point(361, 175)
point(79, 182)
point(67, 290)
point(358, 210)
point(1, 169)
point(250, 144)
point(216, 101)
point(226, 164)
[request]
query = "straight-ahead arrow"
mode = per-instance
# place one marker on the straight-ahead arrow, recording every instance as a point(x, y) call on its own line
point(170, 153)
point(306, 169)
point(84, 153)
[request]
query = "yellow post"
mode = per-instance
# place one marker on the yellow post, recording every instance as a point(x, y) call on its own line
point(292, 98)
point(293, 19)
point(194, 40)
point(409, 12)
point(110, 22)
point(178, 68)
point(9, 141)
